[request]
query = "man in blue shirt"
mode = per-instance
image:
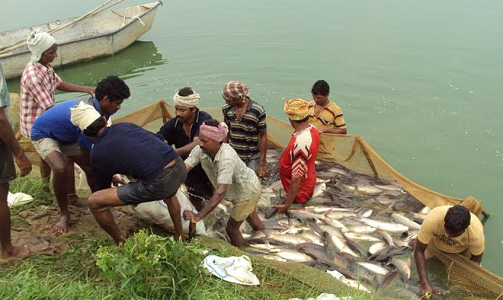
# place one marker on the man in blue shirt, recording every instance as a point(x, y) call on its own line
point(8, 146)
point(128, 149)
point(57, 140)
point(183, 132)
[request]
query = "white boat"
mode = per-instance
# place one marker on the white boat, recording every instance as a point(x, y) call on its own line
point(80, 39)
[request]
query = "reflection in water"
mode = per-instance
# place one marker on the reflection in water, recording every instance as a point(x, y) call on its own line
point(132, 62)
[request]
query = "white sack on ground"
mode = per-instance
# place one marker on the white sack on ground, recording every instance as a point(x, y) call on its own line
point(232, 269)
point(18, 199)
point(157, 212)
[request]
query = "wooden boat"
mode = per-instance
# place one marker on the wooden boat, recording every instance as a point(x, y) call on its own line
point(80, 39)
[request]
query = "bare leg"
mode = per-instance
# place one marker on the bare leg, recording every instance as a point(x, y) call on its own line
point(234, 233)
point(57, 162)
point(176, 216)
point(255, 222)
point(84, 162)
point(100, 203)
point(8, 250)
point(45, 174)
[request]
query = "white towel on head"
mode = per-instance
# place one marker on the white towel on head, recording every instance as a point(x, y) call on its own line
point(191, 100)
point(83, 115)
point(38, 42)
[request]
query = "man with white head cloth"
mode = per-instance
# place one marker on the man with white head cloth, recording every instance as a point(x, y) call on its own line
point(128, 149)
point(38, 85)
point(183, 133)
point(232, 180)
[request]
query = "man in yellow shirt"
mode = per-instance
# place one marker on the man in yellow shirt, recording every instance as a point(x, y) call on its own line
point(327, 117)
point(451, 229)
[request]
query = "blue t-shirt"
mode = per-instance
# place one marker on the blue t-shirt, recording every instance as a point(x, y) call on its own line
point(55, 123)
point(128, 149)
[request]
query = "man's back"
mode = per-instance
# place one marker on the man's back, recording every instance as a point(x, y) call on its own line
point(55, 123)
point(433, 230)
point(128, 149)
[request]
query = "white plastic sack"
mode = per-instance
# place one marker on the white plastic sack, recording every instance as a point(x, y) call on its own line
point(18, 199)
point(157, 212)
point(232, 269)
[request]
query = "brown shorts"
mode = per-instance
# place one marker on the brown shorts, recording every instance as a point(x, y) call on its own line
point(243, 209)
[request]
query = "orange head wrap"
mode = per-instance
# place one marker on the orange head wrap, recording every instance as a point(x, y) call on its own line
point(296, 109)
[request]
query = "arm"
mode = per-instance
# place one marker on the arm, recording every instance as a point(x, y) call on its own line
point(424, 285)
point(70, 87)
point(188, 167)
point(262, 170)
point(8, 138)
point(332, 130)
point(183, 151)
point(294, 188)
point(210, 206)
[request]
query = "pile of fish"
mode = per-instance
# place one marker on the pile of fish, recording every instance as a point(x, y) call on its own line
point(360, 229)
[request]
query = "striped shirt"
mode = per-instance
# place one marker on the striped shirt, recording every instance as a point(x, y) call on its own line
point(37, 91)
point(245, 133)
point(227, 168)
point(332, 117)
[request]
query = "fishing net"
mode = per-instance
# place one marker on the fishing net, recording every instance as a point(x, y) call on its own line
point(468, 279)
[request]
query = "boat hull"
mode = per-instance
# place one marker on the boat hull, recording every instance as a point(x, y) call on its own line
point(130, 24)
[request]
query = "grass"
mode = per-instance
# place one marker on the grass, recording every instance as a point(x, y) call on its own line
point(75, 274)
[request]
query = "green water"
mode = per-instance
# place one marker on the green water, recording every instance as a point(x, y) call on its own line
point(420, 80)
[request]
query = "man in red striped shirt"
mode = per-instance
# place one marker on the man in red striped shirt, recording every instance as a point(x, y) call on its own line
point(38, 85)
point(297, 163)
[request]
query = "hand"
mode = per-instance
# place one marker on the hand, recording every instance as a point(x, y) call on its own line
point(116, 180)
point(262, 171)
point(282, 208)
point(23, 164)
point(91, 91)
point(180, 237)
point(189, 215)
point(427, 290)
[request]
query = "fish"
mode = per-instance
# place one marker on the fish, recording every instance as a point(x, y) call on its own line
point(288, 238)
point(403, 268)
point(385, 281)
point(312, 236)
point(302, 214)
point(377, 269)
point(389, 252)
point(335, 223)
point(319, 201)
point(337, 215)
point(385, 237)
point(367, 213)
point(294, 255)
point(274, 257)
point(356, 247)
point(361, 237)
point(319, 189)
point(376, 248)
point(368, 189)
point(361, 229)
point(269, 213)
point(389, 187)
point(405, 221)
point(340, 245)
point(352, 283)
point(390, 227)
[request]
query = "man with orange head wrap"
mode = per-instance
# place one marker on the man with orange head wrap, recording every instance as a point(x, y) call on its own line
point(296, 165)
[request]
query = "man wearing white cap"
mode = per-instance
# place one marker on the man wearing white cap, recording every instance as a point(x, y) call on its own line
point(38, 85)
point(122, 149)
point(58, 141)
point(183, 132)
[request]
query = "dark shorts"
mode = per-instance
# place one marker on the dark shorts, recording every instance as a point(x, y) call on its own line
point(7, 169)
point(165, 185)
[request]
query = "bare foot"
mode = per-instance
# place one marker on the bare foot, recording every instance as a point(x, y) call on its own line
point(15, 252)
point(75, 200)
point(62, 225)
